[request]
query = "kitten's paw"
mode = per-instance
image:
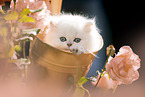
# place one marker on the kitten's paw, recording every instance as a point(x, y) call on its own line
point(78, 51)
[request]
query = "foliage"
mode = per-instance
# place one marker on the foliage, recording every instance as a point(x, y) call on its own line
point(11, 16)
point(109, 52)
point(18, 37)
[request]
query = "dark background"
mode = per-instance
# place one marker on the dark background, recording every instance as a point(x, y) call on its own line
point(123, 17)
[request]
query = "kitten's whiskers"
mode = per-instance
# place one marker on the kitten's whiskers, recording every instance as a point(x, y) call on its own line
point(93, 54)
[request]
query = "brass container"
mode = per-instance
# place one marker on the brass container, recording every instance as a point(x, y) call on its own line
point(60, 64)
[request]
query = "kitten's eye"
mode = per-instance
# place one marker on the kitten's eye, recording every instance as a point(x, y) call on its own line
point(63, 39)
point(77, 40)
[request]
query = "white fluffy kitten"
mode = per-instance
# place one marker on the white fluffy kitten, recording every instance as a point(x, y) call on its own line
point(73, 33)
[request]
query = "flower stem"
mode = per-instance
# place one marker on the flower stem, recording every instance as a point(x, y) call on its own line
point(14, 5)
point(104, 69)
point(24, 49)
point(25, 66)
point(89, 95)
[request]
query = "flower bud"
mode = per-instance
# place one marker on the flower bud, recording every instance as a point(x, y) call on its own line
point(110, 50)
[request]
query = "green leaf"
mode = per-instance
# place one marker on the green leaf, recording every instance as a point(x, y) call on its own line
point(108, 75)
point(2, 11)
point(14, 1)
point(11, 52)
point(82, 81)
point(26, 19)
point(36, 10)
point(24, 12)
point(31, 31)
point(11, 16)
point(79, 92)
point(15, 4)
point(18, 48)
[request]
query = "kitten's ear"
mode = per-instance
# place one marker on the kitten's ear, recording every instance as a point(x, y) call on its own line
point(88, 26)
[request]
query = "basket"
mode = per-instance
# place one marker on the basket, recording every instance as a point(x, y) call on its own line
point(60, 63)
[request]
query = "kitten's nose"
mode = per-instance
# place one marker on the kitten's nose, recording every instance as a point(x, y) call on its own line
point(69, 44)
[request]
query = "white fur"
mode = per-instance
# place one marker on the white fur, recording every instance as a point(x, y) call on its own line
point(71, 27)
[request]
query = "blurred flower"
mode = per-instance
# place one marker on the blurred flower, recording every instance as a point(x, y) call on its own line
point(105, 82)
point(39, 5)
point(20, 5)
point(41, 17)
point(123, 67)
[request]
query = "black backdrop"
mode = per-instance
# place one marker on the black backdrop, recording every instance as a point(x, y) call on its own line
point(126, 18)
point(123, 16)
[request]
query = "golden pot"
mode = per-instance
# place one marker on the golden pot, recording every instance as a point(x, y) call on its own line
point(60, 63)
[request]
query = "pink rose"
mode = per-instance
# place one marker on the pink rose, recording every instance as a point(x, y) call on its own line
point(20, 5)
point(123, 67)
point(39, 5)
point(105, 82)
point(41, 18)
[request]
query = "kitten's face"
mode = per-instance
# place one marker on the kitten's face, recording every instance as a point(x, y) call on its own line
point(69, 38)
point(71, 33)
